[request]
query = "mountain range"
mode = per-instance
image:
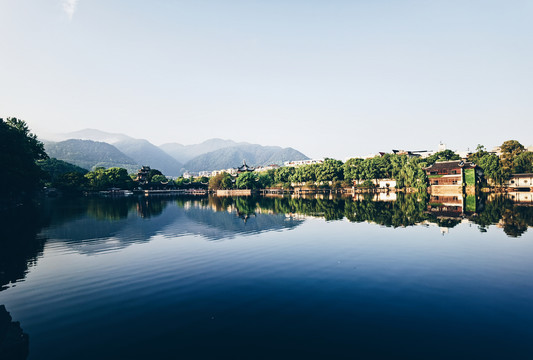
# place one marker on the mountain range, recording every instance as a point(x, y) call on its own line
point(90, 148)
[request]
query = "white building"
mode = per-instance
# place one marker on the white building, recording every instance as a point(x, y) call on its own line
point(303, 162)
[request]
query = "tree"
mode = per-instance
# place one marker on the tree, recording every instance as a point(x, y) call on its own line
point(152, 173)
point(159, 179)
point(480, 152)
point(246, 180)
point(265, 180)
point(19, 151)
point(303, 174)
point(102, 179)
point(445, 155)
point(220, 181)
point(492, 169)
point(510, 150)
point(523, 163)
point(70, 183)
point(352, 169)
point(282, 175)
point(330, 170)
point(55, 168)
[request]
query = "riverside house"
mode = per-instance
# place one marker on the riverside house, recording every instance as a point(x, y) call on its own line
point(520, 181)
point(449, 176)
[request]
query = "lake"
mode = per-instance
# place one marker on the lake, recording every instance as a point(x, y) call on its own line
point(262, 278)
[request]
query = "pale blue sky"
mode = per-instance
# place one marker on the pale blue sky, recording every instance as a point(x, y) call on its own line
point(330, 78)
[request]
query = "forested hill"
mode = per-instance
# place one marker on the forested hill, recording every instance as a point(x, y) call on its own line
point(254, 155)
point(90, 154)
point(124, 151)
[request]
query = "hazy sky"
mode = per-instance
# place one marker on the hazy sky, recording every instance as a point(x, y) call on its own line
point(329, 78)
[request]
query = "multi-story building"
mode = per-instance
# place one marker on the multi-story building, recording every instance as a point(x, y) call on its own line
point(449, 176)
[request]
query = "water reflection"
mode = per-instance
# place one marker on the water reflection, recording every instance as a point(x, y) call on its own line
point(20, 244)
point(14, 343)
point(95, 225)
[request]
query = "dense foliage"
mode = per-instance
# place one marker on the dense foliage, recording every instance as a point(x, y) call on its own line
point(514, 159)
point(91, 154)
point(19, 151)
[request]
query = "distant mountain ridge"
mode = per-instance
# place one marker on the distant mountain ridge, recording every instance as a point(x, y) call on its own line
point(146, 153)
point(171, 158)
point(254, 155)
point(90, 154)
point(185, 153)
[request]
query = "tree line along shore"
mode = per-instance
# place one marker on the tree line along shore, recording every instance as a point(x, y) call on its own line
point(28, 169)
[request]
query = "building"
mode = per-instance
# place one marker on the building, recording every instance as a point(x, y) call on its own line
point(303, 162)
point(520, 181)
point(379, 183)
point(143, 175)
point(449, 176)
point(266, 168)
point(244, 168)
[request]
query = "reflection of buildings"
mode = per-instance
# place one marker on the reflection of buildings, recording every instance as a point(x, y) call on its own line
point(381, 196)
point(449, 205)
point(517, 197)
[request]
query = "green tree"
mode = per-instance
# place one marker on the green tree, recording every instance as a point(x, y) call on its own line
point(492, 169)
point(227, 181)
point(330, 170)
point(246, 180)
point(523, 163)
point(283, 174)
point(55, 168)
point(352, 169)
point(152, 173)
point(265, 180)
point(102, 179)
point(220, 181)
point(19, 151)
point(445, 155)
point(480, 152)
point(70, 183)
point(510, 150)
point(159, 179)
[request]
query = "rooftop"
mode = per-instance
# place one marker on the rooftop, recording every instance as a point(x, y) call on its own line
point(448, 165)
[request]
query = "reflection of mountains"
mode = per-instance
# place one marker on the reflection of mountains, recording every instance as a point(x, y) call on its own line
point(95, 225)
point(220, 225)
point(88, 234)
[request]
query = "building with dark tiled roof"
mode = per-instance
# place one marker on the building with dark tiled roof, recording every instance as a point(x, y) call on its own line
point(451, 174)
point(244, 168)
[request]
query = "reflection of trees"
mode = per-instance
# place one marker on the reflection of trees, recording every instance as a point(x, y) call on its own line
point(148, 207)
point(513, 218)
point(407, 210)
point(14, 343)
point(19, 244)
point(110, 209)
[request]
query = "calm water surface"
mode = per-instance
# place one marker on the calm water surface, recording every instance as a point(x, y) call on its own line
point(260, 278)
